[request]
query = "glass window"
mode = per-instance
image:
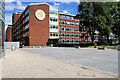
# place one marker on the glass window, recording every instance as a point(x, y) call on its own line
point(67, 17)
point(62, 35)
point(62, 29)
point(59, 16)
point(72, 23)
point(50, 34)
point(56, 34)
point(56, 27)
point(53, 12)
point(53, 19)
point(50, 26)
point(76, 24)
point(50, 12)
point(67, 23)
point(62, 16)
point(67, 29)
point(27, 12)
point(27, 26)
point(50, 19)
point(53, 26)
point(62, 22)
point(72, 18)
point(67, 34)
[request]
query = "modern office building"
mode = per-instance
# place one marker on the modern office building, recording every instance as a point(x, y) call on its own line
point(42, 24)
point(2, 26)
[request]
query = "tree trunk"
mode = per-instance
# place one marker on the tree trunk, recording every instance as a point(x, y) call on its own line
point(108, 39)
point(119, 40)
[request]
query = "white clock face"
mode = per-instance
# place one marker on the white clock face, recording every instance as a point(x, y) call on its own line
point(40, 14)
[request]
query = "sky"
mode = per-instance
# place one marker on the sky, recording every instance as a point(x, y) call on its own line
point(19, 5)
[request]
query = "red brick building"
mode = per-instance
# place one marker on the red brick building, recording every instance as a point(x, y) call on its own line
point(9, 33)
point(69, 29)
point(41, 24)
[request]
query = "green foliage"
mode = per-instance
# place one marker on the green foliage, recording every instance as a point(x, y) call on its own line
point(116, 16)
point(103, 16)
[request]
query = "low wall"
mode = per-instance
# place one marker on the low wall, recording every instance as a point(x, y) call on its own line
point(8, 45)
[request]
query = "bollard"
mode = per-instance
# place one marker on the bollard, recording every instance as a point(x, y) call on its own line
point(12, 48)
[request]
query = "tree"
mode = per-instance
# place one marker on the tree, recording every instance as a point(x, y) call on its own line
point(86, 18)
point(103, 18)
point(96, 16)
point(116, 15)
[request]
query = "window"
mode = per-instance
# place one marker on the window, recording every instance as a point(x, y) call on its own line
point(53, 19)
point(62, 16)
point(76, 40)
point(50, 12)
point(27, 19)
point(27, 26)
point(59, 16)
point(62, 22)
point(67, 23)
point(67, 41)
point(76, 30)
point(72, 35)
point(50, 34)
point(56, 13)
point(50, 19)
point(67, 17)
point(27, 12)
point(54, 34)
point(62, 29)
point(72, 23)
point(72, 29)
point(53, 26)
point(76, 35)
point(62, 35)
point(50, 26)
point(72, 18)
point(67, 29)
point(62, 40)
point(76, 24)
point(53, 12)
point(67, 35)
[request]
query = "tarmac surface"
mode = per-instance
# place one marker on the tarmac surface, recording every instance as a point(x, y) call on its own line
point(106, 60)
point(30, 63)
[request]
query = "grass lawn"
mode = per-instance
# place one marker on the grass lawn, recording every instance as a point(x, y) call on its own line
point(108, 47)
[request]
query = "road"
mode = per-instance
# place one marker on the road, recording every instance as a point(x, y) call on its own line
point(106, 60)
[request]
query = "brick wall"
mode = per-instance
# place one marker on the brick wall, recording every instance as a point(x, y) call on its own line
point(39, 30)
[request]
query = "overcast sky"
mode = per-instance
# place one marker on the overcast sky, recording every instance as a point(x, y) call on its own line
point(19, 5)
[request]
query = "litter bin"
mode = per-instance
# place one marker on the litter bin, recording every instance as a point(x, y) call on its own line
point(95, 45)
point(118, 48)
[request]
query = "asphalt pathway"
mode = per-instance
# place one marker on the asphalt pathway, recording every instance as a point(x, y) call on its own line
point(106, 60)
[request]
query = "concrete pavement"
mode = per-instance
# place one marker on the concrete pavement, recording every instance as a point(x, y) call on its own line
point(21, 64)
